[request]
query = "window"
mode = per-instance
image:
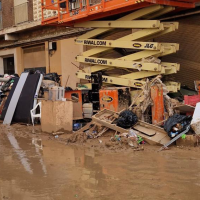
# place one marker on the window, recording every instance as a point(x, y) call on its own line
point(9, 66)
point(21, 11)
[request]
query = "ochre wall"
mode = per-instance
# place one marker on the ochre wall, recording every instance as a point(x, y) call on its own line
point(19, 65)
point(60, 61)
point(55, 59)
point(37, 56)
point(69, 50)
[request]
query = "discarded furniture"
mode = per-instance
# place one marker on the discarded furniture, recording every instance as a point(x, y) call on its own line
point(56, 116)
point(15, 98)
point(151, 133)
point(114, 98)
point(77, 104)
point(28, 99)
point(33, 115)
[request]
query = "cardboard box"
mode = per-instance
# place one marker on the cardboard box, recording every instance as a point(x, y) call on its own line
point(57, 116)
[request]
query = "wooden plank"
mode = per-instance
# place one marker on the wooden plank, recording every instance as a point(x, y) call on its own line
point(151, 126)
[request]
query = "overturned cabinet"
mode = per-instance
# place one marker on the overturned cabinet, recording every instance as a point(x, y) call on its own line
point(56, 116)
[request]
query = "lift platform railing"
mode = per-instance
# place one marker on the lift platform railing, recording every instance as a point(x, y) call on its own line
point(68, 12)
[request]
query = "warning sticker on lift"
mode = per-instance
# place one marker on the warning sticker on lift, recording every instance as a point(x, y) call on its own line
point(138, 84)
point(107, 99)
point(137, 45)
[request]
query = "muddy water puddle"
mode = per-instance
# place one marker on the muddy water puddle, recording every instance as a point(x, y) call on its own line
point(32, 168)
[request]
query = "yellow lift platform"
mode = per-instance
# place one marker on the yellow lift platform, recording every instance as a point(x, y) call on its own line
point(144, 60)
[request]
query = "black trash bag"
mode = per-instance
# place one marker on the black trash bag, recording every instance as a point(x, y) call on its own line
point(127, 119)
point(176, 119)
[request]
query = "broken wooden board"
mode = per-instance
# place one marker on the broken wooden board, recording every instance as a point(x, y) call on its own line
point(185, 108)
point(151, 133)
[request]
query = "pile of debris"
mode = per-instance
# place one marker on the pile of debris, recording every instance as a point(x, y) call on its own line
point(152, 117)
point(19, 95)
point(149, 115)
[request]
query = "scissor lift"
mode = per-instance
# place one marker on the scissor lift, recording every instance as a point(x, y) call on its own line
point(138, 64)
point(69, 12)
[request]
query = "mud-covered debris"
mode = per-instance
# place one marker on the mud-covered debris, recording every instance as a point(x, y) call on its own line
point(57, 133)
point(77, 137)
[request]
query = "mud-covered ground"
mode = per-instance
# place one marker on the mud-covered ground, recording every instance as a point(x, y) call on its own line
point(35, 165)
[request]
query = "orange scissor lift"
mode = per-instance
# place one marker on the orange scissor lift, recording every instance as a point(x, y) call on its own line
point(85, 10)
point(136, 65)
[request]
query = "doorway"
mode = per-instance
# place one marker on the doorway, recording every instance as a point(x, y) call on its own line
point(9, 65)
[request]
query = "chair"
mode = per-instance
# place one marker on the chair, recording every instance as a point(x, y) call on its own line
point(33, 115)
